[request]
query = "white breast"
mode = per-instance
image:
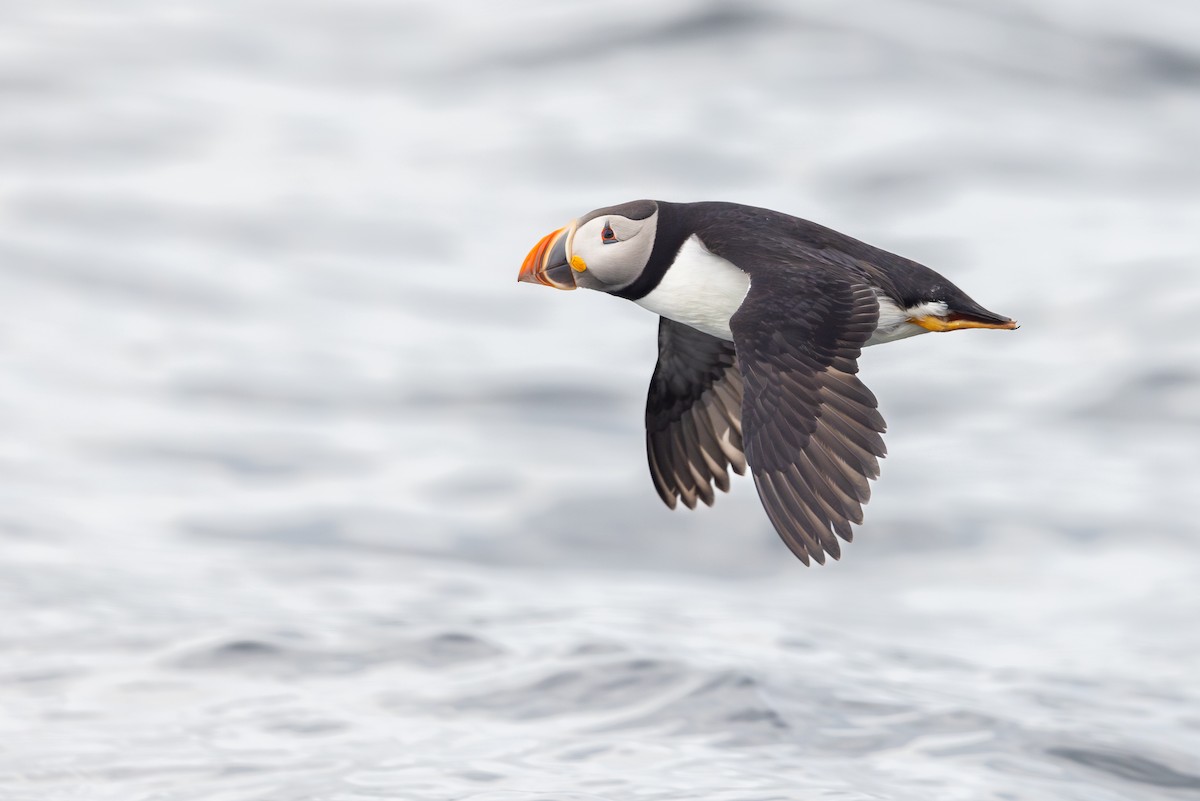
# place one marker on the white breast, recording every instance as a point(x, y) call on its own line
point(700, 289)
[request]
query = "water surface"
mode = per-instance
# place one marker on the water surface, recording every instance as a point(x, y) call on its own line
point(302, 497)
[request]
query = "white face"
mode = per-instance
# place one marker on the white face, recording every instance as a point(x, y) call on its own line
point(611, 249)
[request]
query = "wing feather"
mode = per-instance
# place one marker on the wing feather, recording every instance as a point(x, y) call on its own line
point(693, 415)
point(812, 430)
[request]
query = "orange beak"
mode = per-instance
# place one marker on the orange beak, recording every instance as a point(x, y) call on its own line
point(547, 263)
point(956, 322)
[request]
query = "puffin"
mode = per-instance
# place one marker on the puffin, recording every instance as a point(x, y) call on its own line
point(762, 318)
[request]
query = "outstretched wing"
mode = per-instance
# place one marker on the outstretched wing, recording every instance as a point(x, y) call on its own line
point(693, 415)
point(811, 428)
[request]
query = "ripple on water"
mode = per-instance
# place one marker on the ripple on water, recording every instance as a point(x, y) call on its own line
point(583, 689)
point(1129, 766)
point(730, 706)
point(299, 657)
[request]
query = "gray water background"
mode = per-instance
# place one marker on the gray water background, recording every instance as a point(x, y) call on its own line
point(302, 497)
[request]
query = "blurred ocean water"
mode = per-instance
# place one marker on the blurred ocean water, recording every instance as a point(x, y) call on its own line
point(302, 497)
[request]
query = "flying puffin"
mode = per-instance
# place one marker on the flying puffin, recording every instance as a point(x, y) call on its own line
point(762, 317)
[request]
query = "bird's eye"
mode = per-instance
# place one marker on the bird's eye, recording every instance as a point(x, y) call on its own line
point(607, 236)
